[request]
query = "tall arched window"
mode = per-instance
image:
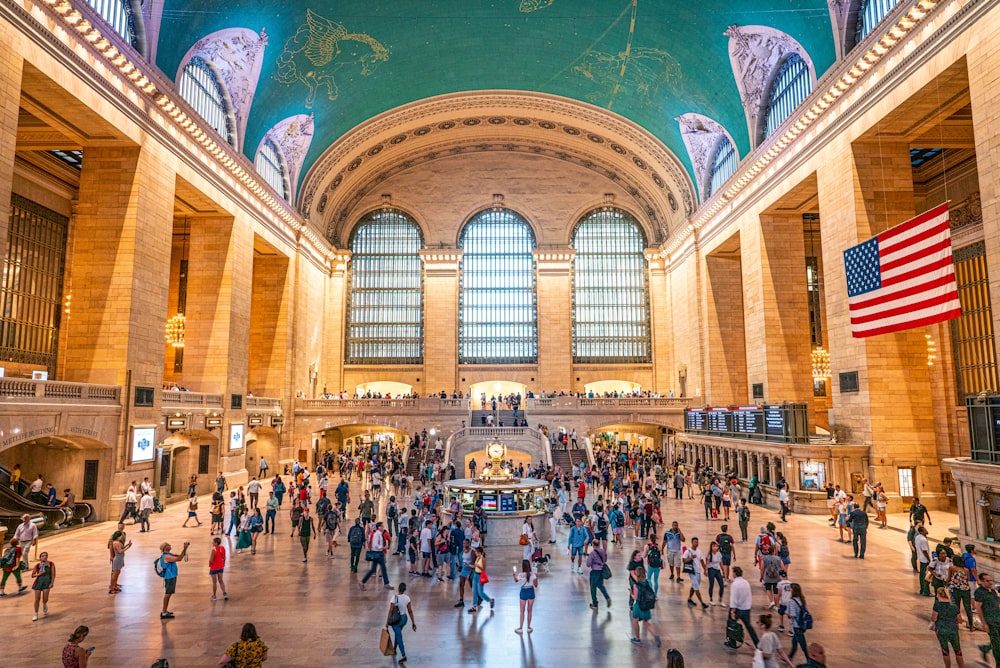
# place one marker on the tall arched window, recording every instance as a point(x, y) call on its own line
point(723, 164)
point(791, 87)
point(385, 313)
point(870, 14)
point(497, 310)
point(610, 297)
point(201, 88)
point(270, 165)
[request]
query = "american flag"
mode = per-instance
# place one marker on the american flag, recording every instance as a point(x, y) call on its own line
point(904, 277)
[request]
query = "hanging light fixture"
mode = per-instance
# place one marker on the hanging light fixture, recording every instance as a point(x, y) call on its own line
point(820, 363)
point(178, 323)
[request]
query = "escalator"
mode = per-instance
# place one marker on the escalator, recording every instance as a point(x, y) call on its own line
point(12, 503)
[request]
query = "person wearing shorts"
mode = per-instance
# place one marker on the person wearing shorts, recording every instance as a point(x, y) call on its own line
point(216, 566)
point(694, 557)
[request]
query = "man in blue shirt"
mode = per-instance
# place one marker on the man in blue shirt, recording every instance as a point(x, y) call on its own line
point(579, 508)
point(578, 537)
point(343, 495)
point(673, 540)
point(168, 564)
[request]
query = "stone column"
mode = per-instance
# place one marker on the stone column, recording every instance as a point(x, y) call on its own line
point(775, 301)
point(334, 322)
point(555, 309)
point(270, 322)
point(11, 66)
point(441, 319)
point(898, 424)
point(726, 363)
point(660, 323)
point(120, 268)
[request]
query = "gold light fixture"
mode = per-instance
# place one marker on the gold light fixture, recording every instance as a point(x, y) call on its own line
point(931, 350)
point(175, 330)
point(820, 363)
point(178, 323)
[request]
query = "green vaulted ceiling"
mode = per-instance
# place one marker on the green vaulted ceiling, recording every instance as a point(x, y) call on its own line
point(648, 60)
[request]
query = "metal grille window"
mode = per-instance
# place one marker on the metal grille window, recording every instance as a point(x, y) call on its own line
point(870, 14)
point(723, 164)
point(972, 332)
point(610, 296)
point(271, 167)
point(498, 311)
point(31, 293)
point(791, 87)
point(385, 313)
point(201, 88)
point(118, 14)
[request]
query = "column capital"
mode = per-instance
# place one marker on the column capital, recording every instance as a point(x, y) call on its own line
point(554, 261)
point(339, 262)
point(441, 261)
point(657, 260)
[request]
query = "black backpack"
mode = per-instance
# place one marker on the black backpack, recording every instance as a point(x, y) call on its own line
point(391, 511)
point(743, 513)
point(655, 558)
point(331, 520)
point(356, 536)
point(647, 598)
point(602, 523)
point(725, 544)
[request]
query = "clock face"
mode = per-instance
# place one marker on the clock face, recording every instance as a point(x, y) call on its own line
point(495, 450)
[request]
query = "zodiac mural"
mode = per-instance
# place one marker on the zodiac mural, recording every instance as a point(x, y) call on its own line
point(319, 49)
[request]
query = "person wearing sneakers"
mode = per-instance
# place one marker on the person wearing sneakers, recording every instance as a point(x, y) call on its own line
point(168, 565)
point(694, 565)
point(10, 562)
point(771, 574)
point(595, 562)
point(578, 537)
point(216, 566)
point(784, 595)
point(44, 576)
point(673, 540)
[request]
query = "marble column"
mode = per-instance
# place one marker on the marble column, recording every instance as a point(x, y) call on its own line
point(555, 310)
point(441, 319)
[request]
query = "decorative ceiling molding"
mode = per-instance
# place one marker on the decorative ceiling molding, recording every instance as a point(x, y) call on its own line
point(566, 129)
point(756, 53)
point(292, 136)
point(841, 12)
point(701, 136)
point(237, 54)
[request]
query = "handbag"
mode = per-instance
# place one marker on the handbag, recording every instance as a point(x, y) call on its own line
point(385, 644)
point(523, 540)
point(758, 659)
point(483, 578)
point(394, 615)
point(606, 572)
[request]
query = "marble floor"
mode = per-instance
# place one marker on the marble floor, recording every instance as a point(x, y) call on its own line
point(866, 613)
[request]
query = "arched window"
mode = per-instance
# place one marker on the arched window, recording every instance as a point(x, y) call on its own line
point(791, 87)
point(723, 164)
point(201, 88)
point(127, 23)
point(610, 297)
point(270, 165)
point(870, 14)
point(497, 310)
point(385, 312)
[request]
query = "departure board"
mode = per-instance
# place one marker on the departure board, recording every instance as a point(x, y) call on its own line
point(773, 422)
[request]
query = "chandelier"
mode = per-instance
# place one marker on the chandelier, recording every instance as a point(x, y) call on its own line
point(820, 363)
point(175, 331)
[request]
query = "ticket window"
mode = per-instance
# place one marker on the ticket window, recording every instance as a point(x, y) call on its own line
point(907, 484)
point(812, 475)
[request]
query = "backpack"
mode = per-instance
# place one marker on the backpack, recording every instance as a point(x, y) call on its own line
point(356, 536)
point(743, 514)
point(725, 543)
point(805, 619)
point(647, 599)
point(159, 567)
point(655, 558)
point(771, 568)
point(391, 511)
point(9, 558)
point(602, 523)
point(331, 520)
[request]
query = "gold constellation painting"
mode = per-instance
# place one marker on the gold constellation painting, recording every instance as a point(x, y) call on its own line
point(641, 73)
point(534, 5)
point(319, 49)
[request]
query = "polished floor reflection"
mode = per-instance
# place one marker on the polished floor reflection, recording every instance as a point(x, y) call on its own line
point(313, 614)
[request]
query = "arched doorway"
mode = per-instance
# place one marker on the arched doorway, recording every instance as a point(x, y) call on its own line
point(612, 387)
point(643, 437)
point(193, 452)
point(263, 442)
point(494, 388)
point(383, 388)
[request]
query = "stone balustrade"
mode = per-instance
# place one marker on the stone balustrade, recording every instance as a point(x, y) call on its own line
point(25, 390)
point(175, 398)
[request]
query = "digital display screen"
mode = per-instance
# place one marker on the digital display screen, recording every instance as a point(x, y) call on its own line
point(489, 501)
point(143, 442)
point(748, 420)
point(507, 503)
point(236, 436)
point(774, 420)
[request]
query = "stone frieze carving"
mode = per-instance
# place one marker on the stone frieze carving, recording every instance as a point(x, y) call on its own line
point(293, 135)
point(701, 136)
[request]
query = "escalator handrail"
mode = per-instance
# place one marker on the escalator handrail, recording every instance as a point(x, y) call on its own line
point(11, 499)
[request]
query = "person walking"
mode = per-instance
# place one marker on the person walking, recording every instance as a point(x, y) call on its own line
point(253, 490)
point(216, 567)
point(578, 537)
point(74, 656)
point(673, 541)
point(527, 539)
point(654, 563)
point(987, 604)
point(595, 562)
point(377, 543)
point(797, 616)
point(923, 559)
point(858, 520)
point(248, 652)
point(192, 511)
point(44, 576)
point(145, 508)
point(26, 533)
point(271, 512)
point(167, 567)
point(529, 583)
point(644, 600)
point(10, 562)
point(960, 587)
point(945, 618)
point(694, 566)
point(743, 519)
point(769, 645)
point(713, 568)
point(356, 539)
point(741, 602)
point(256, 523)
point(307, 527)
point(479, 580)
point(396, 619)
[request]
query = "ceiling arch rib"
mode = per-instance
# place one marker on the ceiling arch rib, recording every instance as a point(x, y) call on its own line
point(498, 121)
point(701, 136)
point(237, 55)
point(293, 136)
point(756, 53)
